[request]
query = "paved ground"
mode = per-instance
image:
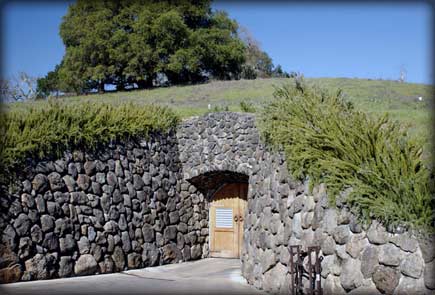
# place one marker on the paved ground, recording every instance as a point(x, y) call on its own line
point(206, 276)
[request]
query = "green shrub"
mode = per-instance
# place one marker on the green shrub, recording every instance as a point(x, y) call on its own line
point(50, 130)
point(219, 108)
point(374, 160)
point(247, 106)
point(248, 72)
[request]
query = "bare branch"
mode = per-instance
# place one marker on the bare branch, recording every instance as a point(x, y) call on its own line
point(18, 88)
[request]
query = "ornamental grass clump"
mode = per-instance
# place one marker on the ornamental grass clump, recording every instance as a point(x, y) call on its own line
point(373, 159)
point(48, 131)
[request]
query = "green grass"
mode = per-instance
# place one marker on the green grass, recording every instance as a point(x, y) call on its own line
point(368, 95)
point(375, 97)
point(54, 127)
point(325, 138)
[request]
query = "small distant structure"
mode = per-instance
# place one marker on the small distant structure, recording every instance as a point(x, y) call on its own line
point(402, 74)
point(209, 106)
point(420, 98)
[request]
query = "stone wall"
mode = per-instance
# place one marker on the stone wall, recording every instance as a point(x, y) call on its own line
point(218, 143)
point(143, 203)
point(356, 259)
point(125, 206)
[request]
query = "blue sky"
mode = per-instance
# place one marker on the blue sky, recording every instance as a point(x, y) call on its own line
point(319, 40)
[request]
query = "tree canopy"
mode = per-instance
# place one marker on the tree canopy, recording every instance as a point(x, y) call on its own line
point(142, 42)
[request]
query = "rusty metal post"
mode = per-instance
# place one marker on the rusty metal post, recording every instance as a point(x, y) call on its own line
point(293, 271)
point(298, 272)
point(310, 272)
point(319, 290)
point(296, 275)
point(301, 256)
point(315, 271)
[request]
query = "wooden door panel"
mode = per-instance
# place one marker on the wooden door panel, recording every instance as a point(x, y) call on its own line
point(224, 243)
point(227, 211)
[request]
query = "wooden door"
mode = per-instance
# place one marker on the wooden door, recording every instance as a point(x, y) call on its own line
point(227, 213)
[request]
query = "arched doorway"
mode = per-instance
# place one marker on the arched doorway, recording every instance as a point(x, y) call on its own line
point(227, 213)
point(226, 193)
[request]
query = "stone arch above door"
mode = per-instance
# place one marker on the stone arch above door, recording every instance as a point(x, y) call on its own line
point(209, 183)
point(218, 142)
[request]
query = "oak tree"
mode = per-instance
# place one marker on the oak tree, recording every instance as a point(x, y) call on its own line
point(135, 43)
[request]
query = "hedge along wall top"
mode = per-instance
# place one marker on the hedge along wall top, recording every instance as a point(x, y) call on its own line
point(46, 130)
point(143, 202)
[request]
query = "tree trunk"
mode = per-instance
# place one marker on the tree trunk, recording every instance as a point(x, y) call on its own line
point(145, 84)
point(149, 82)
point(120, 87)
point(101, 87)
point(141, 84)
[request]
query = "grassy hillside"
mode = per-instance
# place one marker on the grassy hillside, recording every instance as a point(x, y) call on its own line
point(372, 96)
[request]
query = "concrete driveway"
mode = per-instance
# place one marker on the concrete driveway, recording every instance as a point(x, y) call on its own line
point(206, 276)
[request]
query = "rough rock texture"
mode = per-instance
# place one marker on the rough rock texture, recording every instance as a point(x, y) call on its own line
point(412, 266)
point(143, 203)
point(85, 265)
point(356, 260)
point(390, 255)
point(369, 260)
point(66, 266)
point(351, 276)
point(276, 280)
point(96, 212)
point(368, 287)
point(386, 279)
point(410, 286)
point(429, 277)
point(332, 285)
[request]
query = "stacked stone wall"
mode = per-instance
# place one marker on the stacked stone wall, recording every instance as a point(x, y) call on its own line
point(356, 259)
point(143, 203)
point(218, 142)
point(124, 206)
